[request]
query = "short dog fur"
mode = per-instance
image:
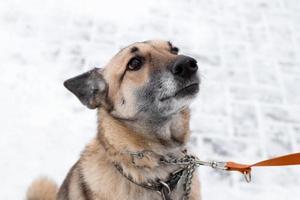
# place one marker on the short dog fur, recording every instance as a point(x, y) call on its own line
point(142, 98)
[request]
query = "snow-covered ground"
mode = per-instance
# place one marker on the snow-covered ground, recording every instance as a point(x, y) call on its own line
point(248, 109)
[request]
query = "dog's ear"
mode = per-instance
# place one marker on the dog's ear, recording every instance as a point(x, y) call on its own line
point(90, 88)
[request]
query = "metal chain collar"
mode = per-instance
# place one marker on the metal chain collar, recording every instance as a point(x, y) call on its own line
point(187, 166)
point(163, 188)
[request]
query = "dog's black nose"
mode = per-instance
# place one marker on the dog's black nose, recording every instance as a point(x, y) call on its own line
point(184, 66)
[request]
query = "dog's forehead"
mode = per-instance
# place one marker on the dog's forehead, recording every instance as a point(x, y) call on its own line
point(158, 44)
point(147, 45)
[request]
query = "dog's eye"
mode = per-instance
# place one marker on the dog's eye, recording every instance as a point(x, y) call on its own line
point(174, 50)
point(135, 63)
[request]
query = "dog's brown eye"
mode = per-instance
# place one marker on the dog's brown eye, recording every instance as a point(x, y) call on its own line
point(174, 50)
point(135, 64)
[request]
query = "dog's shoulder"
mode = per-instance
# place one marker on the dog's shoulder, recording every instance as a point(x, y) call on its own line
point(76, 185)
point(64, 190)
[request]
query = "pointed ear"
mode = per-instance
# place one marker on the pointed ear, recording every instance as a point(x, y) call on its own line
point(90, 88)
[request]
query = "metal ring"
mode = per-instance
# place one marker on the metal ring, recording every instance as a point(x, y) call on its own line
point(247, 176)
point(214, 164)
point(165, 185)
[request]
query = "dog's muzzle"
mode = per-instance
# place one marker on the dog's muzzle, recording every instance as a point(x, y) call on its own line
point(184, 69)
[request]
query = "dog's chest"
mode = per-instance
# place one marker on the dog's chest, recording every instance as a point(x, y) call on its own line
point(107, 182)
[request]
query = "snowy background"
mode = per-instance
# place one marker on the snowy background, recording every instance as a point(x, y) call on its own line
point(248, 108)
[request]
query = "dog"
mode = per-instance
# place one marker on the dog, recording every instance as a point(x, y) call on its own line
point(142, 97)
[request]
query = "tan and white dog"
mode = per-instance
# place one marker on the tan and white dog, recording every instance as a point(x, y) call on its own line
point(142, 97)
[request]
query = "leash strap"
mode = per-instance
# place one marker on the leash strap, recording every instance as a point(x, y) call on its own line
point(290, 159)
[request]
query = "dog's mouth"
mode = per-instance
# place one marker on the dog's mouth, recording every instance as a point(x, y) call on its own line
point(189, 90)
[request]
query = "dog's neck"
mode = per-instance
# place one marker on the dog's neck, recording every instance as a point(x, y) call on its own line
point(172, 134)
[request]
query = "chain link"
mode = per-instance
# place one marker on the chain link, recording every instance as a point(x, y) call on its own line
point(190, 163)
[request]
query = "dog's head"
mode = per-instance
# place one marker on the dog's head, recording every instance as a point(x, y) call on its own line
point(144, 80)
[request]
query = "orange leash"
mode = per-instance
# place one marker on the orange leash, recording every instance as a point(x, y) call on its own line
point(290, 159)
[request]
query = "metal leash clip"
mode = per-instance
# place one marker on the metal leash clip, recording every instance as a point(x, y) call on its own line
point(222, 166)
point(212, 164)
